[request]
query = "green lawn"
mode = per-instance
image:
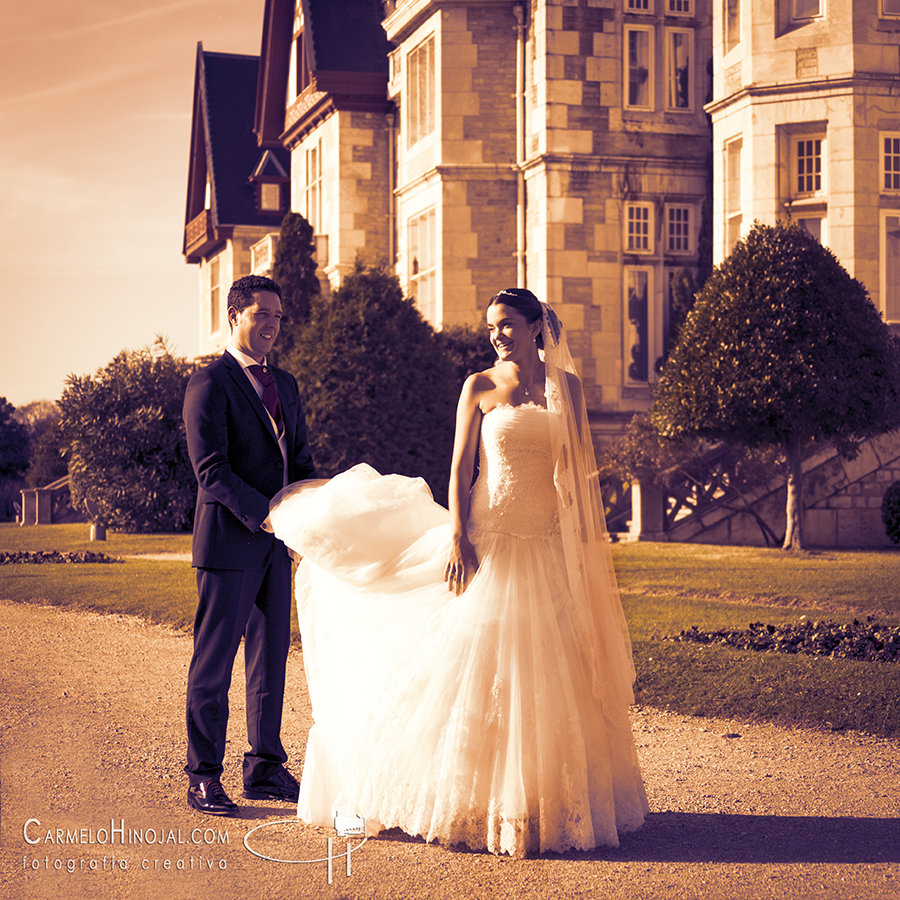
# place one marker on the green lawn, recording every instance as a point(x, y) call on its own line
point(163, 592)
point(665, 588)
point(75, 538)
point(865, 579)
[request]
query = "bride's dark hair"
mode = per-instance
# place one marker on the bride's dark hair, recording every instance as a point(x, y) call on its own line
point(523, 302)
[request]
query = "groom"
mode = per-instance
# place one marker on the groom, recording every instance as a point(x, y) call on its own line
point(247, 439)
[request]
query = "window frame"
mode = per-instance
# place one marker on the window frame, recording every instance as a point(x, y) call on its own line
point(731, 37)
point(271, 189)
point(421, 114)
point(426, 275)
point(688, 235)
point(668, 34)
point(644, 9)
point(687, 8)
point(649, 230)
point(631, 328)
point(215, 299)
point(299, 74)
point(802, 216)
point(734, 213)
point(795, 191)
point(884, 13)
point(800, 17)
point(885, 214)
point(313, 185)
point(882, 158)
point(649, 30)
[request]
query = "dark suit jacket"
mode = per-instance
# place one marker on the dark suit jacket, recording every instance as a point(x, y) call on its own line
point(237, 461)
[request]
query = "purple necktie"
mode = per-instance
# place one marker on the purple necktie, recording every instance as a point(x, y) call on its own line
point(269, 395)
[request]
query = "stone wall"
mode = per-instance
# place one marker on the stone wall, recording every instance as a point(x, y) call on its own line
point(842, 503)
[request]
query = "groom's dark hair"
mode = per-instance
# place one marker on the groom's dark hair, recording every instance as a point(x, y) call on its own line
point(240, 295)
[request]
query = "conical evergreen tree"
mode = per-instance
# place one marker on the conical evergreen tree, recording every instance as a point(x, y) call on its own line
point(784, 348)
point(377, 386)
point(294, 269)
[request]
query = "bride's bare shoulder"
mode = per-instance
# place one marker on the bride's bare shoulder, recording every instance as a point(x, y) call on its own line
point(481, 382)
point(476, 387)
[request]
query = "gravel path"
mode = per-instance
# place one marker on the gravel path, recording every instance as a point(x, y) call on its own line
point(91, 731)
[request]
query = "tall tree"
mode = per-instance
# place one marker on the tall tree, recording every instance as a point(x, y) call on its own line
point(294, 269)
point(13, 457)
point(125, 441)
point(45, 460)
point(377, 386)
point(13, 443)
point(782, 348)
point(469, 350)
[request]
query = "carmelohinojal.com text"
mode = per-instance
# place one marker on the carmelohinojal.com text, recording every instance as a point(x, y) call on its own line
point(198, 839)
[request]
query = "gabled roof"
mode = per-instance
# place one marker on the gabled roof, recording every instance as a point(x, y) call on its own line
point(224, 145)
point(347, 35)
point(269, 168)
point(347, 51)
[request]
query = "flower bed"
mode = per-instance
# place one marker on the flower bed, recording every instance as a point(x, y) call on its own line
point(37, 557)
point(860, 640)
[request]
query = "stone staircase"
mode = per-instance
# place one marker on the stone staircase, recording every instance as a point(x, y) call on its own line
point(842, 503)
point(49, 505)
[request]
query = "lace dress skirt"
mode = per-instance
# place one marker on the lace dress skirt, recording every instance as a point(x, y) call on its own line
point(467, 719)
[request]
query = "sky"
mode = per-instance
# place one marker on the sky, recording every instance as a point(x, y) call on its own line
point(95, 119)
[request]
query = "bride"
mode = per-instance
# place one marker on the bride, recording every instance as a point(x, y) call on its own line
point(495, 713)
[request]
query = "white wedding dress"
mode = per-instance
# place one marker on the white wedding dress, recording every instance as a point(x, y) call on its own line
point(471, 719)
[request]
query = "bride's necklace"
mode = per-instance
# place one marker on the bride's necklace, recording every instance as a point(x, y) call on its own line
point(527, 387)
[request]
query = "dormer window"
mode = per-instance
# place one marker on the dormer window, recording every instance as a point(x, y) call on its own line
point(269, 177)
point(270, 197)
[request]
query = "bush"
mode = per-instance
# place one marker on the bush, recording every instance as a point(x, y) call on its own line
point(13, 458)
point(125, 442)
point(469, 350)
point(890, 512)
point(376, 384)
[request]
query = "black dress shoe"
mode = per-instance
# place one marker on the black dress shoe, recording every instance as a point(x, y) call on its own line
point(279, 784)
point(210, 797)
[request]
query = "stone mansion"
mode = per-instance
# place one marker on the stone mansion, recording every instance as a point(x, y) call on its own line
point(590, 150)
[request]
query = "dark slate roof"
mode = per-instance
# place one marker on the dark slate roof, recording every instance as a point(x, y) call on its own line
point(233, 154)
point(347, 36)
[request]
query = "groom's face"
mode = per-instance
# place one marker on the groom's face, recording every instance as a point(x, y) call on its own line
point(255, 327)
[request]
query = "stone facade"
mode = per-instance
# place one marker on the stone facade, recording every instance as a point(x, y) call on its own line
point(340, 185)
point(559, 145)
point(456, 152)
point(231, 262)
point(801, 110)
point(571, 163)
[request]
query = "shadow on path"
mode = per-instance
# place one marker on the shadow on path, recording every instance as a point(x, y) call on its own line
point(720, 837)
point(724, 838)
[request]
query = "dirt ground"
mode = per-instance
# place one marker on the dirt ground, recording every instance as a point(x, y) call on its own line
point(92, 797)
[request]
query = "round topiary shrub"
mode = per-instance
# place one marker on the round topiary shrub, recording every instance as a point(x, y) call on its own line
point(890, 512)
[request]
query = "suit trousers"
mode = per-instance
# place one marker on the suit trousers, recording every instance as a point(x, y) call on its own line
point(256, 604)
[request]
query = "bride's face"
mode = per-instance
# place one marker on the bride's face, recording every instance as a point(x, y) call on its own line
point(511, 334)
